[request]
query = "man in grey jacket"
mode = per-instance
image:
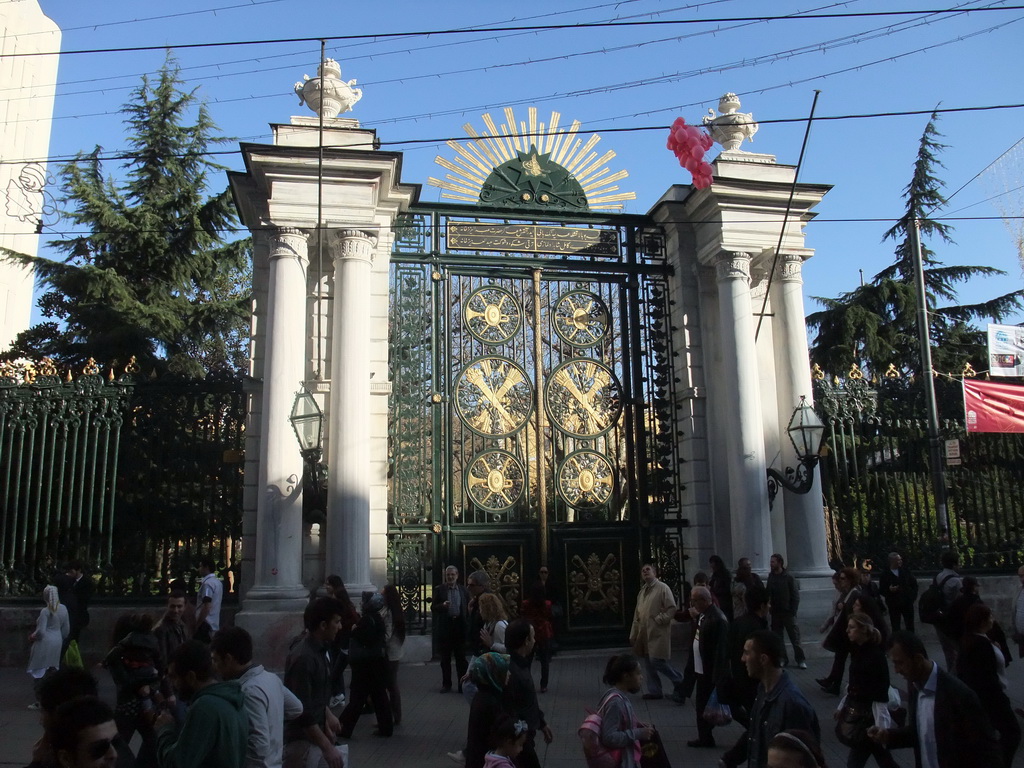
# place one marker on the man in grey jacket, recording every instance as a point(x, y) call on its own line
point(267, 702)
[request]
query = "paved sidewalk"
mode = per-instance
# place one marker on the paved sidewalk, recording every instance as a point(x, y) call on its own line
point(434, 724)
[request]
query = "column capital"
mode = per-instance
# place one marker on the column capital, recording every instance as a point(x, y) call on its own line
point(354, 245)
point(289, 243)
point(790, 268)
point(732, 266)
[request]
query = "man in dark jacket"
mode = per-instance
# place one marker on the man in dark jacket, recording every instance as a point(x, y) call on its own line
point(450, 608)
point(779, 705)
point(520, 693)
point(216, 728)
point(946, 725)
point(899, 590)
point(784, 596)
point(710, 657)
point(307, 674)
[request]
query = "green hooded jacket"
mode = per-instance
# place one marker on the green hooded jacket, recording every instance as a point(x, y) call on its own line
point(214, 733)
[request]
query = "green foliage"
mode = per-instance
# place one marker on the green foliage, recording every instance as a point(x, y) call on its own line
point(151, 274)
point(875, 325)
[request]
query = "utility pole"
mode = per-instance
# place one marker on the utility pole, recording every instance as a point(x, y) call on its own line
point(934, 452)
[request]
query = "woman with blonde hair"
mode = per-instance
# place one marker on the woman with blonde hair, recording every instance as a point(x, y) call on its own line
point(52, 628)
point(492, 611)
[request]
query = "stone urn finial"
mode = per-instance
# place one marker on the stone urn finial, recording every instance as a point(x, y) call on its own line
point(327, 92)
point(730, 127)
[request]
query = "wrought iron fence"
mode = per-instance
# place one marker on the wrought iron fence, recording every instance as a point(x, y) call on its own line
point(878, 491)
point(137, 477)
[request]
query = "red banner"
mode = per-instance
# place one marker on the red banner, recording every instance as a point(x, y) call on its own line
point(993, 407)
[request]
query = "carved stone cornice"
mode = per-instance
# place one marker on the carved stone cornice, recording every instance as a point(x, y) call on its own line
point(732, 266)
point(289, 243)
point(354, 245)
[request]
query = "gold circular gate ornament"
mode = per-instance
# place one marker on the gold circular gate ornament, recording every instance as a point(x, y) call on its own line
point(580, 318)
point(493, 397)
point(495, 481)
point(585, 480)
point(583, 397)
point(492, 314)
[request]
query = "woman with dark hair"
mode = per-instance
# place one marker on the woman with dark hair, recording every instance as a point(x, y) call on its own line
point(720, 584)
point(981, 666)
point(489, 673)
point(133, 662)
point(394, 637)
point(334, 587)
point(795, 749)
point(867, 695)
point(368, 657)
point(847, 581)
point(537, 610)
point(620, 730)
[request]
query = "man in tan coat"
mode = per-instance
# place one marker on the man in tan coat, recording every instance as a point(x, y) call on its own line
point(651, 635)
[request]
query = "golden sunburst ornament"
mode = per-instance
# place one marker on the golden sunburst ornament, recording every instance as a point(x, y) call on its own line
point(527, 164)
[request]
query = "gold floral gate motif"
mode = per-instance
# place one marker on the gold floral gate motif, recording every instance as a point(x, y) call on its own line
point(533, 425)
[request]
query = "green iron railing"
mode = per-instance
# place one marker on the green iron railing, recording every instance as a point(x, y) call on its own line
point(878, 492)
point(137, 477)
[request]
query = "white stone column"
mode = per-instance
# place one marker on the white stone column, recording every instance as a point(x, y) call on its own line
point(745, 461)
point(348, 500)
point(805, 518)
point(278, 568)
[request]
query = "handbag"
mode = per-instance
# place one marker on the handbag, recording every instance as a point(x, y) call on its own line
point(653, 755)
point(595, 753)
point(852, 725)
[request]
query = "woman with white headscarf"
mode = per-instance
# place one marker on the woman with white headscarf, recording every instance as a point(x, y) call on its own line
point(52, 627)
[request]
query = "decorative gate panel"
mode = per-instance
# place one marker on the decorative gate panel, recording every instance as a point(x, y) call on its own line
point(531, 393)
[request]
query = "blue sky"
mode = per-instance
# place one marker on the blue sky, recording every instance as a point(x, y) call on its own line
point(428, 87)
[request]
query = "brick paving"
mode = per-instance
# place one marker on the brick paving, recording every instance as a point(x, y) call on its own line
point(434, 724)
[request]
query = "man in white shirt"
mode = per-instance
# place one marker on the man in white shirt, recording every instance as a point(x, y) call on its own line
point(946, 726)
point(267, 702)
point(211, 593)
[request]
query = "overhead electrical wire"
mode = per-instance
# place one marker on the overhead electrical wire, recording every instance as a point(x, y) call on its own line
point(426, 226)
point(378, 54)
point(518, 28)
point(441, 140)
point(638, 83)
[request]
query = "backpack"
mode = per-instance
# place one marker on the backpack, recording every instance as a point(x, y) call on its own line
point(931, 608)
point(596, 754)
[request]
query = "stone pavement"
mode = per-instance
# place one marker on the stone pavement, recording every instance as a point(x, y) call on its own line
point(434, 724)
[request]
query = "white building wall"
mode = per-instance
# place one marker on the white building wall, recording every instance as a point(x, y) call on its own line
point(27, 85)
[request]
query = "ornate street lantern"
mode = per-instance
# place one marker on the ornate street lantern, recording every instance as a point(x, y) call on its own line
point(805, 431)
point(308, 422)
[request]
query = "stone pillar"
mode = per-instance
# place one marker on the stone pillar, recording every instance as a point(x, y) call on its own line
point(278, 567)
point(805, 518)
point(745, 461)
point(348, 500)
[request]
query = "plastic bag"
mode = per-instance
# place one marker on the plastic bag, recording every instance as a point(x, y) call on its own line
point(717, 713)
point(73, 657)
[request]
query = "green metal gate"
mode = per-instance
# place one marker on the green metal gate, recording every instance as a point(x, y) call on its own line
point(530, 418)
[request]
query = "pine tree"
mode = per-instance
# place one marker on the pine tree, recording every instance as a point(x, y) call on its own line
point(875, 324)
point(153, 274)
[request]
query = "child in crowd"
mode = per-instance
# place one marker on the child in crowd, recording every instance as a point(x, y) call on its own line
point(509, 738)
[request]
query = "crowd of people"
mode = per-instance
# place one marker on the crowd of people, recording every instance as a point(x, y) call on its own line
point(190, 693)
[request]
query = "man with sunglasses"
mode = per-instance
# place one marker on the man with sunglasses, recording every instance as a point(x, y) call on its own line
point(83, 734)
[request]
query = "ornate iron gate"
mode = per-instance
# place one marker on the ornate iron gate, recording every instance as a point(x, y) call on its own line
point(530, 418)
